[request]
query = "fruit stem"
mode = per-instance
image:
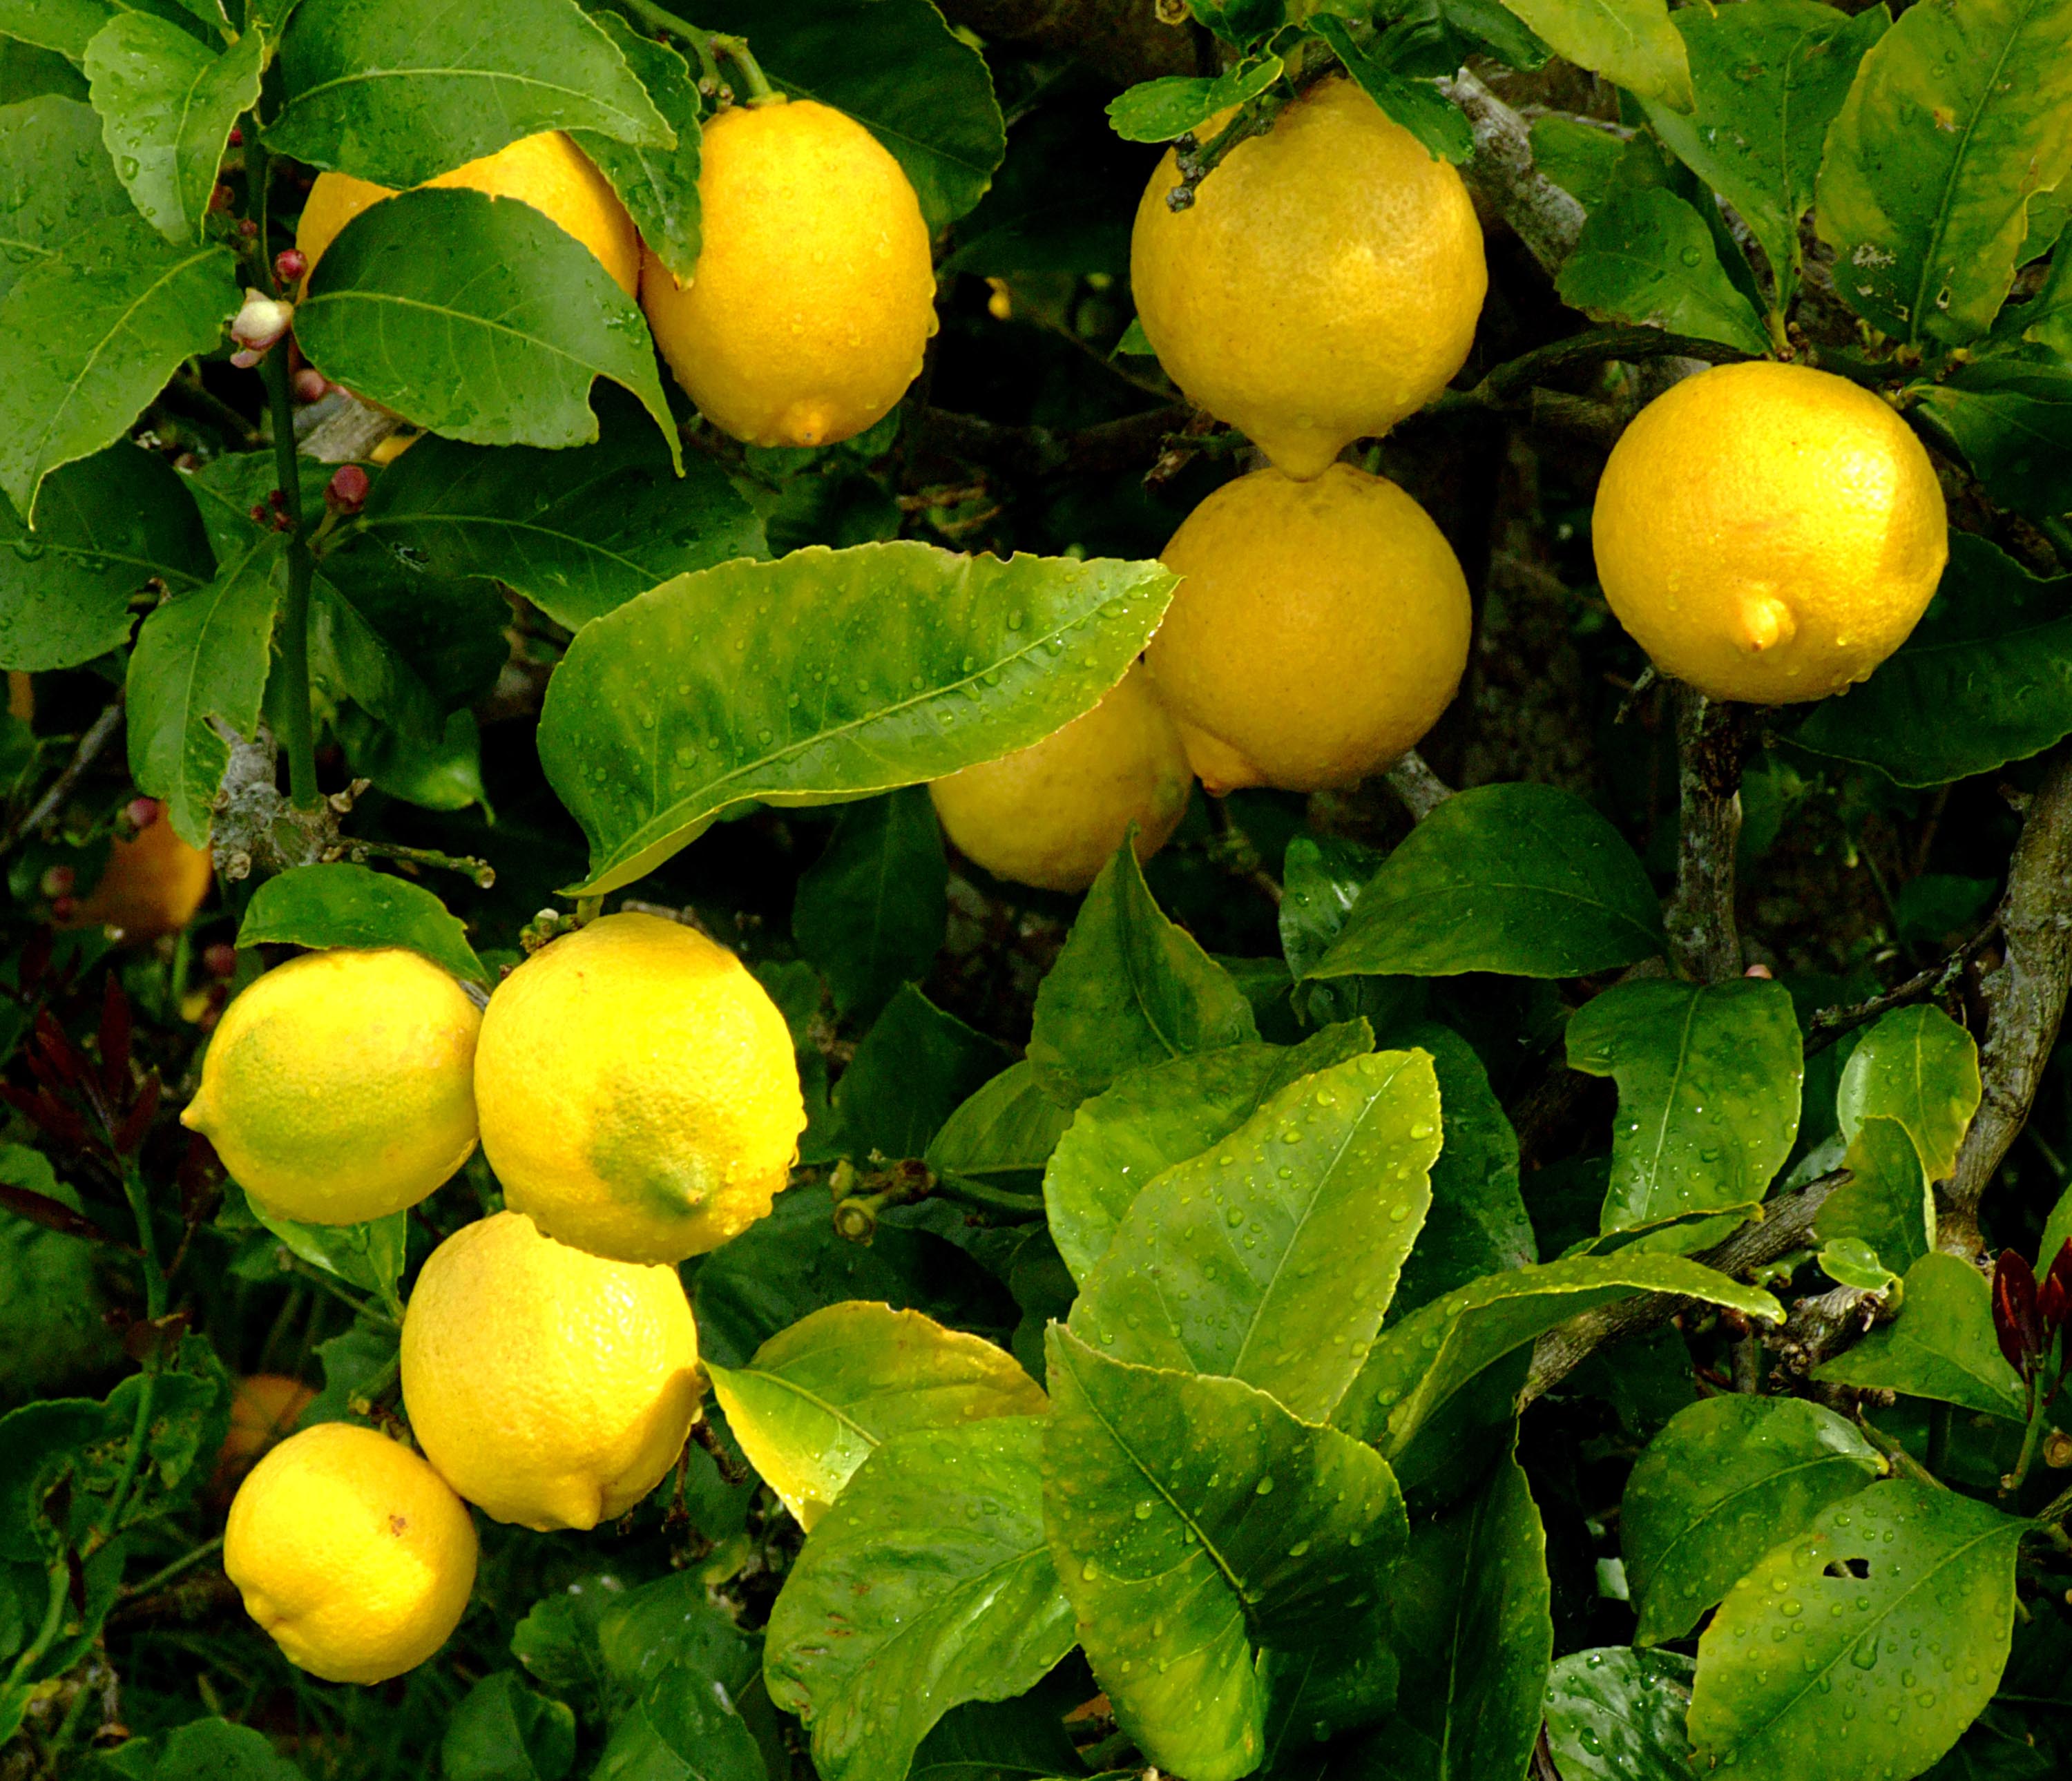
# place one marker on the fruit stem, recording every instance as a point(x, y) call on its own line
point(293, 634)
point(736, 50)
point(158, 1579)
point(756, 90)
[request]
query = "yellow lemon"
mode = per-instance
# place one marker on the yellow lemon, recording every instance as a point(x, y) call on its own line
point(352, 1552)
point(814, 293)
point(548, 1386)
point(339, 1087)
point(1053, 814)
point(1769, 532)
point(1324, 283)
point(638, 1093)
point(547, 172)
point(1318, 631)
point(153, 884)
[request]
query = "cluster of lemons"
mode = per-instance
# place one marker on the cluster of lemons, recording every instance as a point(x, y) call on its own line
point(636, 1092)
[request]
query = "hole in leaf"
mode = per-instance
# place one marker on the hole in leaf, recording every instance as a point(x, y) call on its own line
point(1849, 1567)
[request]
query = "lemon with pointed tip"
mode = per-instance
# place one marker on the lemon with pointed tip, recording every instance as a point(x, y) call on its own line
point(1324, 283)
point(1053, 814)
point(340, 1086)
point(638, 1090)
point(550, 1387)
point(1768, 533)
point(351, 1552)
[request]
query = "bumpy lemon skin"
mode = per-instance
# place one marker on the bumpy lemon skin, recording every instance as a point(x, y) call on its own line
point(547, 172)
point(1324, 283)
point(814, 292)
point(339, 1087)
point(351, 1552)
point(550, 1387)
point(1318, 631)
point(1052, 814)
point(1768, 533)
point(638, 1090)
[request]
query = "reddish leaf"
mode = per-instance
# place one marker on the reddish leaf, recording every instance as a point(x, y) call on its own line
point(117, 1028)
point(2054, 1298)
point(145, 1338)
point(51, 1114)
point(40, 1209)
point(51, 1052)
point(138, 1121)
point(2016, 1320)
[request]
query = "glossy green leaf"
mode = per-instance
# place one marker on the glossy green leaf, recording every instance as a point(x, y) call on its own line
point(1728, 1479)
point(880, 666)
point(1919, 1066)
point(502, 1731)
point(114, 312)
point(1887, 1204)
point(2012, 420)
point(929, 1584)
point(1003, 1136)
point(1524, 879)
point(55, 181)
point(348, 905)
point(201, 660)
point(212, 1747)
point(66, 26)
point(1417, 105)
point(1190, 1517)
point(871, 911)
point(1941, 1346)
point(166, 102)
point(1708, 1079)
point(911, 1071)
point(1853, 1261)
point(686, 1664)
point(1119, 1141)
point(398, 94)
point(1864, 1645)
point(369, 1255)
point(1313, 1694)
point(494, 337)
point(1959, 115)
point(1647, 256)
point(442, 772)
point(659, 186)
point(1769, 76)
point(1156, 111)
point(109, 524)
point(819, 1397)
point(1579, 157)
point(1629, 42)
point(1619, 1714)
point(1321, 880)
point(1271, 1256)
point(1131, 989)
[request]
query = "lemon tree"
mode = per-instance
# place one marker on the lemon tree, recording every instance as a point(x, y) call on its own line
point(1027, 890)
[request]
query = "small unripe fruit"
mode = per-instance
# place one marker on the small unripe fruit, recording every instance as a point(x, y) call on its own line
point(347, 491)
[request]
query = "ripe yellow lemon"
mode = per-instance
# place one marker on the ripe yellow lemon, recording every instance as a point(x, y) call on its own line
point(547, 172)
point(339, 1087)
point(1053, 814)
point(153, 884)
point(548, 1386)
point(814, 293)
point(352, 1552)
point(638, 1093)
point(1324, 283)
point(1769, 532)
point(1318, 631)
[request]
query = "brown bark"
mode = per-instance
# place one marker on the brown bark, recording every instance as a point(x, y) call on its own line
point(1124, 40)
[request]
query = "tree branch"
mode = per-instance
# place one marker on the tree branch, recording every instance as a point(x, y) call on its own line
point(82, 756)
point(1112, 449)
point(1125, 40)
point(1547, 220)
point(1422, 790)
point(1704, 938)
point(1829, 1024)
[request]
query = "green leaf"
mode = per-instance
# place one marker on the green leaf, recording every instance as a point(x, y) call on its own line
point(929, 1584)
point(369, 1255)
point(495, 336)
point(1417, 105)
point(503, 1731)
point(201, 661)
point(557, 1640)
point(443, 772)
point(2012, 420)
point(1629, 42)
point(1956, 120)
point(1189, 1518)
point(166, 105)
point(1523, 879)
point(1579, 157)
point(1851, 1261)
point(66, 26)
point(1708, 1079)
point(659, 186)
point(211, 1748)
point(349, 905)
point(872, 910)
point(1864, 1645)
point(1985, 679)
point(895, 68)
point(681, 1658)
point(1130, 989)
point(912, 1070)
point(1470, 1620)
point(398, 95)
point(1647, 257)
point(1003, 1136)
point(111, 523)
point(819, 1397)
point(888, 665)
point(1769, 76)
point(1919, 1066)
point(114, 312)
point(1152, 1119)
point(1321, 880)
point(1156, 111)
point(1887, 1205)
point(55, 181)
point(1271, 1257)
point(1728, 1479)
point(1941, 1346)
point(1312, 1695)
point(1619, 1714)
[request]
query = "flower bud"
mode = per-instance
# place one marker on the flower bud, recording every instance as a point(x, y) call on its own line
point(289, 264)
point(220, 960)
point(346, 490)
point(311, 385)
point(262, 321)
point(142, 812)
point(58, 881)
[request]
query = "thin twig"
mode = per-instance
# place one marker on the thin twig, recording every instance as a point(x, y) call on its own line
point(1422, 790)
point(1703, 937)
point(82, 756)
point(1828, 1024)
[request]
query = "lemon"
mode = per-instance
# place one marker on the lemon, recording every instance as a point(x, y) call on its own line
point(1318, 631)
point(814, 294)
point(264, 1411)
point(352, 1552)
point(547, 172)
point(1324, 283)
point(1769, 532)
point(1053, 814)
point(152, 885)
point(638, 1093)
point(548, 1386)
point(339, 1087)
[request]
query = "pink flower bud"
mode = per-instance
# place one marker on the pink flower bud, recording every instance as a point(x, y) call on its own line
point(347, 491)
point(262, 321)
point(142, 812)
point(289, 264)
point(310, 386)
point(237, 136)
point(220, 960)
